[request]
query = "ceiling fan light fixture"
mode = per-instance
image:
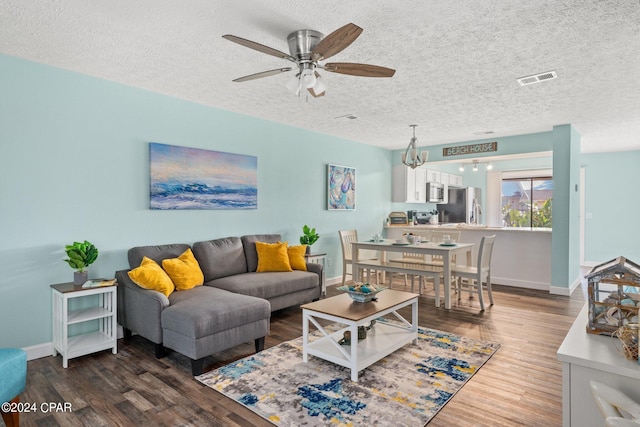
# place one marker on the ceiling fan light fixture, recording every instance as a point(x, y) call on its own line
point(321, 85)
point(294, 84)
point(308, 78)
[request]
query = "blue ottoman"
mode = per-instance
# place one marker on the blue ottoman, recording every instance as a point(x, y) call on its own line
point(13, 371)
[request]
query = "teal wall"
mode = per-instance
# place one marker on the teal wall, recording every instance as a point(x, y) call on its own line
point(74, 166)
point(613, 202)
point(565, 239)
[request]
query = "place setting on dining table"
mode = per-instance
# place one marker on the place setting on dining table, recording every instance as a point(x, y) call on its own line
point(446, 250)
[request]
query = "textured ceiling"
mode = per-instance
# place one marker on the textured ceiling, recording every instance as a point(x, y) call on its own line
point(456, 62)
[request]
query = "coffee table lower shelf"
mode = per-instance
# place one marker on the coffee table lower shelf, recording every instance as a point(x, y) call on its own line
point(382, 339)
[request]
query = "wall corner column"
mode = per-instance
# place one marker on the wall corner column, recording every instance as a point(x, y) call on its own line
point(565, 238)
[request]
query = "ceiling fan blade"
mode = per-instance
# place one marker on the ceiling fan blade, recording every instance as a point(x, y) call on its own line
point(262, 74)
point(314, 94)
point(360, 70)
point(259, 47)
point(336, 42)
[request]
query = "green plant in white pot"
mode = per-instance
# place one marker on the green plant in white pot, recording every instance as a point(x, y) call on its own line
point(309, 237)
point(81, 255)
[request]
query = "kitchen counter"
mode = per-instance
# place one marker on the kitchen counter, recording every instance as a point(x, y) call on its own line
point(444, 226)
point(521, 256)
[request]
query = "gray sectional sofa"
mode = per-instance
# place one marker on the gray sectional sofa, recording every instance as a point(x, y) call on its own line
point(233, 307)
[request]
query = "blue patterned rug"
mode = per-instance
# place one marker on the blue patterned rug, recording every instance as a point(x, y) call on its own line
point(406, 388)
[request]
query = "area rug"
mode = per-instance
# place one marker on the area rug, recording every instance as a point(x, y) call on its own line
point(406, 388)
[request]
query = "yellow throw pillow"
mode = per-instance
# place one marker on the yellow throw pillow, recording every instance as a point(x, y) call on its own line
point(149, 275)
point(272, 257)
point(296, 257)
point(184, 271)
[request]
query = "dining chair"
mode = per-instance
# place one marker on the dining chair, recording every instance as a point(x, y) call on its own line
point(476, 275)
point(437, 236)
point(347, 237)
point(415, 259)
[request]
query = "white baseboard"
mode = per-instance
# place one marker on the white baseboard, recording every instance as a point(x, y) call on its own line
point(527, 284)
point(39, 351)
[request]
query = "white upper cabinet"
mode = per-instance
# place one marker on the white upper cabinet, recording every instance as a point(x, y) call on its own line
point(409, 185)
point(456, 180)
point(433, 176)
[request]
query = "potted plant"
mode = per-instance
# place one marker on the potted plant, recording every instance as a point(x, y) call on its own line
point(81, 255)
point(309, 237)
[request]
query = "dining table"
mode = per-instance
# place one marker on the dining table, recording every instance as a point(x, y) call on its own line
point(448, 252)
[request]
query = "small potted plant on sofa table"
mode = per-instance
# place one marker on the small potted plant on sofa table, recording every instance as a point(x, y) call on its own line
point(81, 255)
point(309, 237)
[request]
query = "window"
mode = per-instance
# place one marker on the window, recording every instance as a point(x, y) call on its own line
point(527, 202)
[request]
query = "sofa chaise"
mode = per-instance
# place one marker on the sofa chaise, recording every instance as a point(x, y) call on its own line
point(232, 307)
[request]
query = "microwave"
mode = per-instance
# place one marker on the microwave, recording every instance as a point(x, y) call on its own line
point(435, 192)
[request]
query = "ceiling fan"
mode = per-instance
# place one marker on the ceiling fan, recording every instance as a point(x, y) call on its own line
point(307, 48)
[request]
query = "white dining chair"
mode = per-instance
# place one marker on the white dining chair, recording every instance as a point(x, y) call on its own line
point(437, 236)
point(478, 273)
point(413, 258)
point(347, 237)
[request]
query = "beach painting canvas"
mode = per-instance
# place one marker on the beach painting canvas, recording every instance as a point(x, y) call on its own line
point(341, 188)
point(192, 178)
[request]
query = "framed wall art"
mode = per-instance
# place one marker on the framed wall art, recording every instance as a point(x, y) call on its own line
point(192, 178)
point(341, 187)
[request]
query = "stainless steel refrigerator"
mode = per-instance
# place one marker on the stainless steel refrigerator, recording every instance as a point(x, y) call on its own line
point(463, 206)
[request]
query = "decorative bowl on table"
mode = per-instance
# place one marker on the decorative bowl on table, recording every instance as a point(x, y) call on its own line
point(362, 292)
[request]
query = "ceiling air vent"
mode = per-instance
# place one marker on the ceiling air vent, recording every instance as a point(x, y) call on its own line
point(347, 116)
point(537, 78)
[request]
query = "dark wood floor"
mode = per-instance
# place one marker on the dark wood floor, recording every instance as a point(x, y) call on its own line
point(521, 385)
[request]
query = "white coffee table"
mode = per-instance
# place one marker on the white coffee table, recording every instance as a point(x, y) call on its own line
point(382, 340)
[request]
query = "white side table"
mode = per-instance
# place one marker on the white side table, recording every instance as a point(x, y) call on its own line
point(84, 343)
point(319, 258)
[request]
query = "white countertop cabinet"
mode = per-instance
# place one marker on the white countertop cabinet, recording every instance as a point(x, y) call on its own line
point(588, 357)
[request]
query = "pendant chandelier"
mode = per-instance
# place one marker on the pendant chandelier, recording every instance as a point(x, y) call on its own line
point(412, 157)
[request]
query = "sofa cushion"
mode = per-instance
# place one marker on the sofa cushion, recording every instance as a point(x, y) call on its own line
point(272, 257)
point(249, 244)
point(205, 310)
point(267, 285)
point(156, 253)
point(184, 271)
point(296, 257)
point(220, 257)
point(149, 275)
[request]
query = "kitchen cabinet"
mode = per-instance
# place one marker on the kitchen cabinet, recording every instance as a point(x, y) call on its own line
point(456, 180)
point(444, 178)
point(409, 185)
point(433, 175)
